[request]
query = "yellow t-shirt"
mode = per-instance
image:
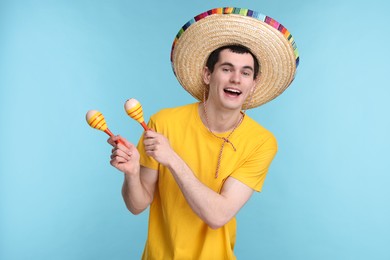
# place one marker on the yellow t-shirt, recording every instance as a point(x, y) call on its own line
point(175, 231)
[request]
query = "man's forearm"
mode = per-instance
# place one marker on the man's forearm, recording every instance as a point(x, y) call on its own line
point(136, 196)
point(211, 207)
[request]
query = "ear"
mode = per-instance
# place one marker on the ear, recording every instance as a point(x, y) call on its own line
point(206, 75)
point(253, 88)
point(255, 82)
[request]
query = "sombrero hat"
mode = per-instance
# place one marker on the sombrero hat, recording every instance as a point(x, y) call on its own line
point(268, 40)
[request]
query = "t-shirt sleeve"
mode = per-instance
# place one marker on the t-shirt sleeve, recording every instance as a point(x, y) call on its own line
point(146, 160)
point(254, 170)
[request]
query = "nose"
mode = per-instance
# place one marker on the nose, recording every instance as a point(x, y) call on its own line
point(235, 77)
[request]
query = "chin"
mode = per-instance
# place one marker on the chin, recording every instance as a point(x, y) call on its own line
point(233, 106)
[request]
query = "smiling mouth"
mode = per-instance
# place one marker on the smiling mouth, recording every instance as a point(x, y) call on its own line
point(232, 91)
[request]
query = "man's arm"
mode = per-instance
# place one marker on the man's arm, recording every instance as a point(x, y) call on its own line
point(138, 190)
point(139, 182)
point(213, 208)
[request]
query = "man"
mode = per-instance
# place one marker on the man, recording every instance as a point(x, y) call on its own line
point(201, 162)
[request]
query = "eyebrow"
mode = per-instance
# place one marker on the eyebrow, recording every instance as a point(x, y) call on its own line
point(231, 65)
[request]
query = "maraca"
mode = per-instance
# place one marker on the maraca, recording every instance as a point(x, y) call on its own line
point(134, 110)
point(96, 120)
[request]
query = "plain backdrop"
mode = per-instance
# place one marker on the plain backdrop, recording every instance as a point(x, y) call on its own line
point(327, 192)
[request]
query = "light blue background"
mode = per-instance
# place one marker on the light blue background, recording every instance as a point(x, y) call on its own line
point(327, 193)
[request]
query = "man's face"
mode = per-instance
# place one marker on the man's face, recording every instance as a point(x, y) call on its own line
point(231, 81)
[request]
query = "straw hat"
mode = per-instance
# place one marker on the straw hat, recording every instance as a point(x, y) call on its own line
point(267, 39)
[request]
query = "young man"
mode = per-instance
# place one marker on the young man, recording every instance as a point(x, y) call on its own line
point(201, 162)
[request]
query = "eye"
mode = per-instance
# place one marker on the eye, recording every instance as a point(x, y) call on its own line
point(247, 73)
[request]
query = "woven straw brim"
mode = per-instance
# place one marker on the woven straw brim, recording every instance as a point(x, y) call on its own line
point(275, 52)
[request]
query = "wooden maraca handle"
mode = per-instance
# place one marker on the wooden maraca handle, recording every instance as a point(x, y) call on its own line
point(146, 128)
point(107, 131)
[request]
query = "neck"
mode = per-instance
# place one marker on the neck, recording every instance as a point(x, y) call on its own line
point(219, 120)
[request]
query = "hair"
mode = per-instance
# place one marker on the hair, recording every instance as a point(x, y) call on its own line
point(214, 56)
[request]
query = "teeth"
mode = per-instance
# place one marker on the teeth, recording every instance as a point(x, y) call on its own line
point(233, 90)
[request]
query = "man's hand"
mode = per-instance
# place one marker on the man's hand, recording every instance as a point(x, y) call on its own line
point(158, 147)
point(124, 157)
